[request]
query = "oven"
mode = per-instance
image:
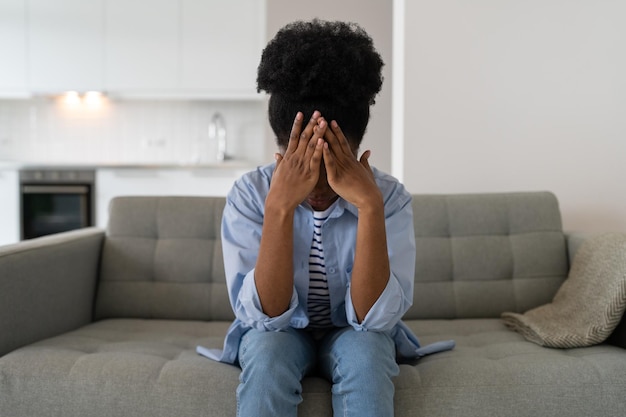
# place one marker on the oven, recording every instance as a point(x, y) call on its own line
point(55, 200)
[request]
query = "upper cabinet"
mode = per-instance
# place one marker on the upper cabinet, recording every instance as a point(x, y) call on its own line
point(65, 45)
point(142, 45)
point(13, 78)
point(221, 45)
point(143, 48)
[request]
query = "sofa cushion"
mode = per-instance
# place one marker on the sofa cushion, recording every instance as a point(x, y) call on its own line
point(479, 255)
point(496, 372)
point(130, 367)
point(162, 258)
point(121, 368)
point(134, 367)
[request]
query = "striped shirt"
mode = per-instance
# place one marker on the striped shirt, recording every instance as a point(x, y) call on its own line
point(318, 304)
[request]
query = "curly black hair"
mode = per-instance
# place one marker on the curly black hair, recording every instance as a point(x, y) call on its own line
point(332, 67)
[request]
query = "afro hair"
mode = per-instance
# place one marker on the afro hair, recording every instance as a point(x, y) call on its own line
point(332, 67)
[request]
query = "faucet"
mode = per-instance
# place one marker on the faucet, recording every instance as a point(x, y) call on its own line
point(217, 132)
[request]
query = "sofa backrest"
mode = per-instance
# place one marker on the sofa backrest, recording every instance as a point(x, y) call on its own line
point(162, 258)
point(479, 255)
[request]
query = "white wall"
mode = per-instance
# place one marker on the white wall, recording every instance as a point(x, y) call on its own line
point(507, 95)
point(375, 16)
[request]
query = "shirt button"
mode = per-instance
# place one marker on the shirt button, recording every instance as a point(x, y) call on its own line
point(332, 270)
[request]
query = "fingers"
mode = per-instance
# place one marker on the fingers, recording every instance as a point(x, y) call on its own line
point(364, 159)
point(336, 149)
point(306, 145)
point(315, 147)
point(329, 162)
point(300, 138)
point(316, 158)
point(308, 130)
point(337, 140)
point(294, 135)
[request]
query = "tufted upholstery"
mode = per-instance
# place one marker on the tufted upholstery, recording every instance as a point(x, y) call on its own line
point(495, 372)
point(162, 258)
point(121, 367)
point(506, 248)
point(132, 367)
point(161, 291)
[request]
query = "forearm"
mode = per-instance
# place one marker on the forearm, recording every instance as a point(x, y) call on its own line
point(274, 268)
point(371, 270)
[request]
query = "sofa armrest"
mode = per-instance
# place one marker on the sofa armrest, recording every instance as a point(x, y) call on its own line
point(47, 286)
point(574, 242)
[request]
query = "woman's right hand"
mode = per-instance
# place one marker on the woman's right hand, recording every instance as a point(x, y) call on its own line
point(298, 168)
point(296, 174)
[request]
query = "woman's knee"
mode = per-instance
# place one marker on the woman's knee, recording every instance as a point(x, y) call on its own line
point(275, 352)
point(361, 353)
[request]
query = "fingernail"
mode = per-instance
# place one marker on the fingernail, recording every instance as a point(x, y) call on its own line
point(316, 114)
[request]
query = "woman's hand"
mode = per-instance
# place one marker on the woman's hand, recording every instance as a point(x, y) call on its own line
point(296, 173)
point(352, 179)
point(298, 169)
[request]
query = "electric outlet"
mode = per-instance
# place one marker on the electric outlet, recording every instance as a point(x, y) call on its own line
point(155, 143)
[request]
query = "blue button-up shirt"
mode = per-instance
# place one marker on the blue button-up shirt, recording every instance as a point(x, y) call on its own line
point(242, 224)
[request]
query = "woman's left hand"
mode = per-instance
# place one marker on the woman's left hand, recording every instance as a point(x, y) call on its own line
point(348, 176)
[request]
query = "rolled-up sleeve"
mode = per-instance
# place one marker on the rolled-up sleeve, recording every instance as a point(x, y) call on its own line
point(242, 224)
point(384, 314)
point(397, 297)
point(248, 308)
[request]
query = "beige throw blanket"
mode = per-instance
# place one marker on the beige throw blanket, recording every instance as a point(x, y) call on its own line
point(588, 305)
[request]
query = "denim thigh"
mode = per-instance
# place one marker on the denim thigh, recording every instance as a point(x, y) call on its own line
point(272, 367)
point(360, 365)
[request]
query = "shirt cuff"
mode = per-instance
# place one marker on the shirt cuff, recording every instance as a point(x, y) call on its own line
point(384, 314)
point(249, 308)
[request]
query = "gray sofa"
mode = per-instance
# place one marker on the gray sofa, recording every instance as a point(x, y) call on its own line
point(96, 323)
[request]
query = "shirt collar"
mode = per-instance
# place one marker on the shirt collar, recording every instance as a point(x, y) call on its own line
point(341, 206)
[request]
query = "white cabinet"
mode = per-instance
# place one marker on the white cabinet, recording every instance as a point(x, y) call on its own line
point(65, 45)
point(188, 48)
point(142, 45)
point(13, 47)
point(144, 48)
point(115, 182)
point(221, 45)
point(9, 207)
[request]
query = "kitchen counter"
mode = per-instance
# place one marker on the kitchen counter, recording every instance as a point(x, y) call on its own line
point(228, 165)
point(117, 179)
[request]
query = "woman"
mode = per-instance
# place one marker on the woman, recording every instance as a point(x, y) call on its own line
point(318, 247)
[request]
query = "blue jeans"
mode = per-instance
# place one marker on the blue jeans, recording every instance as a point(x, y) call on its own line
point(360, 366)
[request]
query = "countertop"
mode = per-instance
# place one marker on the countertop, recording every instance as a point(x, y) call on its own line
point(228, 165)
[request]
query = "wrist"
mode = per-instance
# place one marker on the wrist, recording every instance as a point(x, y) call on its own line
point(371, 203)
point(278, 207)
